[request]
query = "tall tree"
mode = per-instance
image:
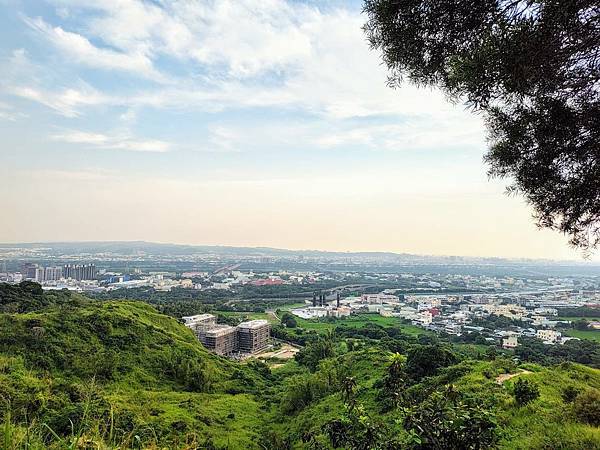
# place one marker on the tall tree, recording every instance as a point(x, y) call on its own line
point(532, 67)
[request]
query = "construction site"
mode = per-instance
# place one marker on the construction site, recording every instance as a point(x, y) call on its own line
point(247, 338)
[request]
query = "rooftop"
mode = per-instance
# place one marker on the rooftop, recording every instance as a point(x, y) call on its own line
point(197, 318)
point(220, 330)
point(253, 324)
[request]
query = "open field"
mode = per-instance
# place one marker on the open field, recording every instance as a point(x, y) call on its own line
point(248, 315)
point(593, 335)
point(575, 319)
point(285, 352)
point(359, 321)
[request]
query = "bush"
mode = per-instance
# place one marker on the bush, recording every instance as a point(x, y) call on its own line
point(569, 394)
point(587, 407)
point(450, 420)
point(525, 392)
point(425, 360)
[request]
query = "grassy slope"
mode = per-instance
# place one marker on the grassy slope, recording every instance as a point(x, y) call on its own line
point(546, 423)
point(143, 390)
point(47, 374)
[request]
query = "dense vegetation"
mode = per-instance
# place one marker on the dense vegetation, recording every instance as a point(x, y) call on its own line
point(75, 372)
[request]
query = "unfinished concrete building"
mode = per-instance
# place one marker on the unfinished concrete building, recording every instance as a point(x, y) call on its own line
point(253, 335)
point(221, 339)
point(247, 337)
point(200, 322)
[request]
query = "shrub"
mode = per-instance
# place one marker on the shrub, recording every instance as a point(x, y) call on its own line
point(587, 407)
point(525, 392)
point(569, 394)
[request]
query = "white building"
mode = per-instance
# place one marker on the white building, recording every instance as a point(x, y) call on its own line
point(510, 342)
point(424, 318)
point(548, 336)
point(379, 299)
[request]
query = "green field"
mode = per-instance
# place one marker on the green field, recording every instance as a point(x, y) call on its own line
point(359, 321)
point(593, 335)
point(575, 319)
point(248, 315)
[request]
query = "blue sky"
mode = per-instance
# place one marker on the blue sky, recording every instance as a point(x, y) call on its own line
point(237, 122)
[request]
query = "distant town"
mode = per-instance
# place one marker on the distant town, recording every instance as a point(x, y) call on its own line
point(501, 303)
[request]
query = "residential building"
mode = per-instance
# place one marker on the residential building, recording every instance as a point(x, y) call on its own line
point(253, 335)
point(510, 342)
point(549, 336)
point(221, 339)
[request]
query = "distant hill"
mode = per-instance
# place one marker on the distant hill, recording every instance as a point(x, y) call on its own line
point(134, 247)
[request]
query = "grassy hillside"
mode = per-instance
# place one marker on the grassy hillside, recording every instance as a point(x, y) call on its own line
point(77, 373)
point(72, 364)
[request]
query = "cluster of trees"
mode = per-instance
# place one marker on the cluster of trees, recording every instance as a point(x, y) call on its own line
point(29, 296)
point(582, 351)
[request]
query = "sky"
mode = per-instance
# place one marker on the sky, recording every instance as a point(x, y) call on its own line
point(245, 122)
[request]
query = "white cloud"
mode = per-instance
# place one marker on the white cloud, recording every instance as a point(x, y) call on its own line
point(66, 102)
point(7, 112)
point(241, 55)
point(81, 49)
point(426, 132)
point(115, 142)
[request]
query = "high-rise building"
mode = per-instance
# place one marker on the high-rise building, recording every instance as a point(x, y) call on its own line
point(48, 274)
point(53, 273)
point(80, 272)
point(39, 274)
point(28, 271)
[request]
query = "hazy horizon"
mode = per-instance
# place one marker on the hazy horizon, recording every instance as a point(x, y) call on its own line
point(294, 250)
point(137, 121)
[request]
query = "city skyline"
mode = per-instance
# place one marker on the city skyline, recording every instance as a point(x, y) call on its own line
point(283, 134)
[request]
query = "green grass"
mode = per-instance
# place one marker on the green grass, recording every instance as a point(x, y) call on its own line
point(359, 321)
point(592, 335)
point(575, 319)
point(248, 315)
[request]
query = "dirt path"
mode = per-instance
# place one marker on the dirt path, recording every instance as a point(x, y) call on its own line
point(507, 376)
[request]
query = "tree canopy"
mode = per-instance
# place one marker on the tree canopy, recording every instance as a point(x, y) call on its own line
point(532, 68)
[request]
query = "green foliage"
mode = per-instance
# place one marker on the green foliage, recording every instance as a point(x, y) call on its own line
point(289, 320)
point(314, 352)
point(569, 394)
point(587, 407)
point(450, 420)
point(76, 372)
point(525, 392)
point(531, 68)
point(394, 383)
point(584, 352)
point(357, 430)
point(425, 360)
